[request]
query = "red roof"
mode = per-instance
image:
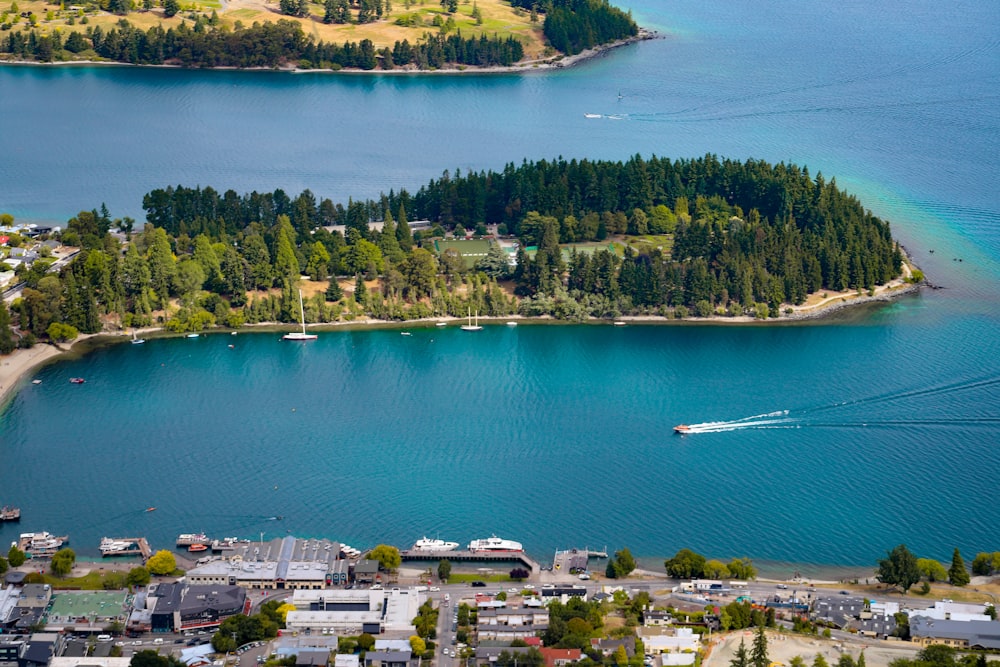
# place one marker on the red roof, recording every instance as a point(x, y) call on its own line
point(533, 641)
point(4, 239)
point(560, 656)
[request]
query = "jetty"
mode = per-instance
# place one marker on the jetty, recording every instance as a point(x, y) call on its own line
point(473, 557)
point(576, 560)
point(126, 546)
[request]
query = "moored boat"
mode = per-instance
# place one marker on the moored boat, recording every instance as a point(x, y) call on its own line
point(187, 539)
point(494, 543)
point(41, 544)
point(427, 544)
point(118, 547)
point(300, 335)
point(195, 548)
point(10, 513)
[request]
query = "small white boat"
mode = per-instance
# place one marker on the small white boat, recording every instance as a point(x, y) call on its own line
point(36, 382)
point(441, 324)
point(619, 323)
point(512, 324)
point(192, 335)
point(405, 333)
point(137, 341)
point(591, 115)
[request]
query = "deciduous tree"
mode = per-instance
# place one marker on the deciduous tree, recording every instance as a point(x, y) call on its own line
point(162, 562)
point(899, 568)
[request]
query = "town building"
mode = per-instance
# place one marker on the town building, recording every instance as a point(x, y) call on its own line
point(351, 612)
point(984, 635)
point(281, 564)
point(510, 624)
point(556, 657)
point(173, 607)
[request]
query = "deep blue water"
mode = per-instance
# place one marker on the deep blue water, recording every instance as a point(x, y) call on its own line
point(557, 436)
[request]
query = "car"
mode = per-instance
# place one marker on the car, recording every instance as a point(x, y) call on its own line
point(512, 590)
point(479, 584)
point(811, 589)
point(783, 586)
point(845, 592)
point(137, 642)
point(435, 589)
point(530, 587)
point(376, 587)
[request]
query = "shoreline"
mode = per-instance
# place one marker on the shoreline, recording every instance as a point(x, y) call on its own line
point(20, 363)
point(556, 62)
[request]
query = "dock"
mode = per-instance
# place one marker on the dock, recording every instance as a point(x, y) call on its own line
point(473, 557)
point(576, 560)
point(137, 546)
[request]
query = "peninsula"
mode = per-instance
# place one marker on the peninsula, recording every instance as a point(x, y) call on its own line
point(572, 240)
point(333, 35)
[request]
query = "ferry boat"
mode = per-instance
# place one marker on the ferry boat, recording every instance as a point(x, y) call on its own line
point(682, 429)
point(112, 547)
point(187, 539)
point(40, 545)
point(494, 543)
point(425, 544)
point(10, 513)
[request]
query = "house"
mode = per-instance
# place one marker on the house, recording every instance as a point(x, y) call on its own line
point(511, 624)
point(564, 593)
point(663, 640)
point(925, 631)
point(608, 647)
point(312, 657)
point(657, 617)
point(554, 657)
point(366, 571)
point(839, 611)
point(953, 611)
point(91, 661)
point(390, 659)
point(38, 650)
point(352, 660)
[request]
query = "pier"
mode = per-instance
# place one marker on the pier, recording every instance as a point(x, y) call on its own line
point(473, 557)
point(576, 560)
point(139, 547)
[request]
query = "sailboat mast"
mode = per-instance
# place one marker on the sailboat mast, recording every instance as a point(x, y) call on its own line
point(302, 312)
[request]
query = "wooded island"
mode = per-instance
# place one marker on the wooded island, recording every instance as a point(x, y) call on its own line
point(571, 239)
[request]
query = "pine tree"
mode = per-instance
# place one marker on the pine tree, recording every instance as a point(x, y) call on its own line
point(360, 292)
point(403, 234)
point(6, 337)
point(758, 652)
point(957, 574)
point(740, 658)
point(333, 291)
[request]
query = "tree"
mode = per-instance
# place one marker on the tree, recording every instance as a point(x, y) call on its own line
point(387, 556)
point(758, 652)
point(519, 574)
point(365, 641)
point(742, 568)
point(740, 658)
point(620, 565)
point(137, 576)
point(495, 263)
point(417, 645)
point(171, 7)
point(686, 564)
point(820, 660)
point(15, 556)
point(931, 569)
point(3, 565)
point(162, 562)
point(62, 562)
point(333, 291)
point(444, 569)
point(150, 658)
point(7, 344)
point(899, 568)
point(957, 574)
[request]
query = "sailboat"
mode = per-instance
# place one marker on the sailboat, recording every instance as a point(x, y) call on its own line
point(470, 326)
point(300, 335)
point(137, 341)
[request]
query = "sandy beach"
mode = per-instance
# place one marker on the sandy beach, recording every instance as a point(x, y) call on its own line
point(16, 366)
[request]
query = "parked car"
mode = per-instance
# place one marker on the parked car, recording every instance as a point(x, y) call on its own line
point(479, 584)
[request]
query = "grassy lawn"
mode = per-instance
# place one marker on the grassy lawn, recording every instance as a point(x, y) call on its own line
point(498, 18)
point(664, 242)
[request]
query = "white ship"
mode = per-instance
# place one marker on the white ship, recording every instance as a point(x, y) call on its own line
point(112, 547)
point(40, 544)
point(494, 543)
point(426, 544)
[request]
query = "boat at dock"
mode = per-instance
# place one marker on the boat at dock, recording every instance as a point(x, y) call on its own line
point(470, 326)
point(187, 539)
point(8, 513)
point(682, 429)
point(425, 544)
point(111, 546)
point(40, 545)
point(195, 548)
point(227, 544)
point(494, 544)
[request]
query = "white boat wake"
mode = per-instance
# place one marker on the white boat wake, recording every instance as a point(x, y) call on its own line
point(776, 419)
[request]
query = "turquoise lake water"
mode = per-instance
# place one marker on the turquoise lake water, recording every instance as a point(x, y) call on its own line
point(556, 436)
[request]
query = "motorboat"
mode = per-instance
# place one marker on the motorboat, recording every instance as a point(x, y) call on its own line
point(427, 544)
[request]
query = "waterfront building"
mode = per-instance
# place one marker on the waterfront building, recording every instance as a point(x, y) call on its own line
point(281, 564)
point(982, 635)
point(172, 607)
